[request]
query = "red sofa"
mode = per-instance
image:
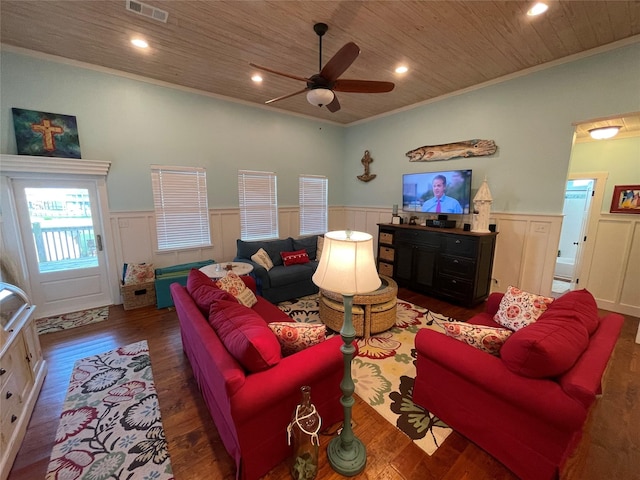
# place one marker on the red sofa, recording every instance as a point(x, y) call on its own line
point(252, 410)
point(504, 404)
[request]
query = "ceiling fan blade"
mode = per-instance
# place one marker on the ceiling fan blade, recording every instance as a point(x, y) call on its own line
point(334, 105)
point(362, 86)
point(286, 96)
point(295, 77)
point(340, 62)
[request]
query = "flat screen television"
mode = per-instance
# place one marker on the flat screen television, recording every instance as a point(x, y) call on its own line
point(418, 192)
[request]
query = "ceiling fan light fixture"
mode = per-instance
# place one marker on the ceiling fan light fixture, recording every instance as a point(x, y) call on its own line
point(320, 96)
point(402, 69)
point(603, 133)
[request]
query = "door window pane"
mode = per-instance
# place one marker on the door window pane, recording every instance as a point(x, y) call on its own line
point(62, 228)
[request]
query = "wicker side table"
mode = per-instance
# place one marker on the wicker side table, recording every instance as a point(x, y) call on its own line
point(373, 312)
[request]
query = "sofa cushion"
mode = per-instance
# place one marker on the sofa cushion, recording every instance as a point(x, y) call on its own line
point(487, 339)
point(297, 257)
point(245, 335)
point(296, 336)
point(204, 292)
point(233, 284)
point(272, 247)
point(261, 257)
point(519, 308)
point(582, 304)
point(310, 244)
point(548, 347)
point(281, 276)
point(320, 242)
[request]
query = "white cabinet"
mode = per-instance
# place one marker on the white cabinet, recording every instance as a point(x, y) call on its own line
point(22, 371)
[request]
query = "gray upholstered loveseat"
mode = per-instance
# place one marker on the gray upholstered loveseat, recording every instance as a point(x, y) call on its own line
point(281, 282)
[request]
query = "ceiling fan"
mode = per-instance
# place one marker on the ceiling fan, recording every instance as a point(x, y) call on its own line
point(322, 86)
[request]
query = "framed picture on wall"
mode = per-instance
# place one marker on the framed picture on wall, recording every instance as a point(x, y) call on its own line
point(626, 199)
point(46, 134)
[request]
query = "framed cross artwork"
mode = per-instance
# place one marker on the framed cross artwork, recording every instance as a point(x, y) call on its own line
point(46, 134)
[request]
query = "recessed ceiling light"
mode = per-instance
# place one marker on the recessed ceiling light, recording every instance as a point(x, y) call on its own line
point(256, 78)
point(537, 9)
point(402, 69)
point(140, 43)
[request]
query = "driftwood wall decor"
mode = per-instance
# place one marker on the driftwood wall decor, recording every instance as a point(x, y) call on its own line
point(469, 148)
point(366, 162)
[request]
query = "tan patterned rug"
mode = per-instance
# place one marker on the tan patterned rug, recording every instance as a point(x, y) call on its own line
point(71, 320)
point(384, 369)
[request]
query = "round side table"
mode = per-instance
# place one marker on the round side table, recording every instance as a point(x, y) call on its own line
point(219, 270)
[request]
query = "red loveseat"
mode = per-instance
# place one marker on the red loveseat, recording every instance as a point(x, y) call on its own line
point(509, 405)
point(252, 410)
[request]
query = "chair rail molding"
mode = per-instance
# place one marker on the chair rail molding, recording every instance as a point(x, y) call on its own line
point(52, 165)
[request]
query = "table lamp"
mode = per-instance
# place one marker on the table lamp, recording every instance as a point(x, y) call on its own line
point(347, 267)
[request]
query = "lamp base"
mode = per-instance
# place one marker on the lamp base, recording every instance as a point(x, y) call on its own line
point(347, 462)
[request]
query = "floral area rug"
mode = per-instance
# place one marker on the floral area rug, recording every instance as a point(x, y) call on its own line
point(384, 369)
point(110, 427)
point(71, 320)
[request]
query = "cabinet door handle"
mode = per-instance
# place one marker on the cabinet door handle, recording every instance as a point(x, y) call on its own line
point(2, 371)
point(9, 395)
point(13, 418)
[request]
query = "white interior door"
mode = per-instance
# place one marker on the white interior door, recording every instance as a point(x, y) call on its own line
point(62, 232)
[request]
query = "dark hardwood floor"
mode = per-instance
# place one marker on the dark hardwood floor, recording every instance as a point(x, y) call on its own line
point(609, 448)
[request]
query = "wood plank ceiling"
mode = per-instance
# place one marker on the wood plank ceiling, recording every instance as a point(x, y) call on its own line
point(447, 45)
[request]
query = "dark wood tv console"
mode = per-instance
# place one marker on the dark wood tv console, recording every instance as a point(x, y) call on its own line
point(447, 263)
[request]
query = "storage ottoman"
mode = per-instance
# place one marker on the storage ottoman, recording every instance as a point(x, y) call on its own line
point(167, 275)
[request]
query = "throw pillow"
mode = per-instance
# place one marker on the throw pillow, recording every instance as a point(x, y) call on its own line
point(294, 258)
point(487, 339)
point(233, 284)
point(261, 257)
point(519, 308)
point(295, 336)
point(139, 273)
point(245, 335)
point(320, 245)
point(204, 292)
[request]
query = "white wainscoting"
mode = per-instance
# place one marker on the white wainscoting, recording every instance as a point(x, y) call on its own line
point(525, 255)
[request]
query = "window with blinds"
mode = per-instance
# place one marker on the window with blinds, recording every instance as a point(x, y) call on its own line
point(313, 204)
point(180, 203)
point(257, 194)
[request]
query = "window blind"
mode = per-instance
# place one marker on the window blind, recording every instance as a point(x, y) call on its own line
point(180, 204)
point(313, 204)
point(257, 194)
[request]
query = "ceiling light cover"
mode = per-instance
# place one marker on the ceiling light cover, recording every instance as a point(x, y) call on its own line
point(320, 96)
point(139, 42)
point(604, 132)
point(537, 9)
point(256, 78)
point(402, 69)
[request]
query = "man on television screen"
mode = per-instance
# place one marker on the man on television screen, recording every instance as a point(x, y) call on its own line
point(440, 203)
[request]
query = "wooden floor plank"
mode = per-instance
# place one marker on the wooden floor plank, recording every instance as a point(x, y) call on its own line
point(608, 448)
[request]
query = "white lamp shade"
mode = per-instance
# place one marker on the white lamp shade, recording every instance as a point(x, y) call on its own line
point(320, 96)
point(347, 265)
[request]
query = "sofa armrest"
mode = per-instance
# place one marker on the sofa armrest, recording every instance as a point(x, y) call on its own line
point(542, 398)
point(584, 380)
point(264, 389)
point(260, 273)
point(493, 303)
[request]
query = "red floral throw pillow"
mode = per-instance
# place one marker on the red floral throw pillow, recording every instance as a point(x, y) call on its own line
point(487, 339)
point(293, 258)
point(519, 308)
point(295, 336)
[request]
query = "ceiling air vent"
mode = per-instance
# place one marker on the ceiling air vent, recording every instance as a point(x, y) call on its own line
point(147, 10)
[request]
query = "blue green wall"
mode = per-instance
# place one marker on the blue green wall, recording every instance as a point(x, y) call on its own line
point(135, 124)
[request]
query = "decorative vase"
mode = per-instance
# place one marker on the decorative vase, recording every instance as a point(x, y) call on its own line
point(303, 435)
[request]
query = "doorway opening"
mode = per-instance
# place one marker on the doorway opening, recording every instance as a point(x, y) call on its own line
point(577, 202)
